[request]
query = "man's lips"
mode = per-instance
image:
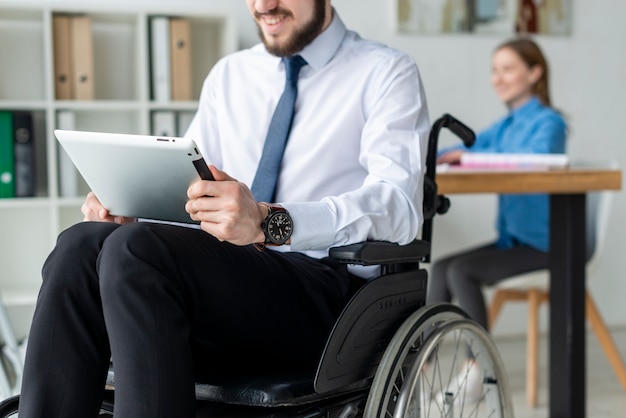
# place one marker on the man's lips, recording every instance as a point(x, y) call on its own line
point(271, 22)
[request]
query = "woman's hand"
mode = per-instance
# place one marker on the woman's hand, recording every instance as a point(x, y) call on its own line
point(226, 209)
point(93, 210)
point(451, 157)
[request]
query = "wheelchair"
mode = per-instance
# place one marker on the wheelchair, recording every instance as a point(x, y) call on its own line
point(388, 354)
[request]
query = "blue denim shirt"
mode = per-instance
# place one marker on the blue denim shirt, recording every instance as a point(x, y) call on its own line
point(532, 128)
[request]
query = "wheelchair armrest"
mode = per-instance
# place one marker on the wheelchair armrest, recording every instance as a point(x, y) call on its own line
point(380, 252)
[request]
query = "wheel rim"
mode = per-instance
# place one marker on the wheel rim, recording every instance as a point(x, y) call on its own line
point(391, 395)
point(443, 383)
point(384, 391)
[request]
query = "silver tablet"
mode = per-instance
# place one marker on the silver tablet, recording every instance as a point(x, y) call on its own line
point(137, 176)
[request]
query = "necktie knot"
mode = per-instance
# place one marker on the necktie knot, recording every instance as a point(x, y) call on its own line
point(293, 65)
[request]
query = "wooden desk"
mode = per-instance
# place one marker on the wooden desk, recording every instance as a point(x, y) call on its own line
point(567, 189)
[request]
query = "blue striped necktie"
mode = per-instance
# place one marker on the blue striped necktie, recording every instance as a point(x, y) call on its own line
point(264, 184)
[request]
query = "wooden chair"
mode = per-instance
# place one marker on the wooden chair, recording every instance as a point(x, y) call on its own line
point(533, 288)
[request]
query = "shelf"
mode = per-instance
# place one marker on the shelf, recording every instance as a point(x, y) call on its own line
point(23, 105)
point(98, 105)
point(177, 106)
point(22, 46)
point(121, 104)
point(116, 61)
point(25, 203)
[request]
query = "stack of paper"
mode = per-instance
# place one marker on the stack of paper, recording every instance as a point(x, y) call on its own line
point(501, 160)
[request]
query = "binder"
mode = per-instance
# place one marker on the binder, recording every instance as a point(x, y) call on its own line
point(68, 175)
point(24, 147)
point(7, 157)
point(180, 60)
point(61, 33)
point(163, 123)
point(82, 68)
point(160, 58)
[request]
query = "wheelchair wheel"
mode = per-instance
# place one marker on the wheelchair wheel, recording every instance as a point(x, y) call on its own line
point(8, 407)
point(440, 364)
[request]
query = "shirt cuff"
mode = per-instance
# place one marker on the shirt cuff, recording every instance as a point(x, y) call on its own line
point(313, 226)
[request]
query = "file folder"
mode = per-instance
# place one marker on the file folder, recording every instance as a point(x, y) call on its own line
point(61, 33)
point(7, 159)
point(160, 58)
point(164, 123)
point(24, 151)
point(82, 58)
point(180, 49)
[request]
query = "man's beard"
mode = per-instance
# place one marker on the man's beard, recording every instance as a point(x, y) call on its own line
point(301, 37)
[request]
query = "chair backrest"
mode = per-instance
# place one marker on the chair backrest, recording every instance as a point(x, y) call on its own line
point(598, 214)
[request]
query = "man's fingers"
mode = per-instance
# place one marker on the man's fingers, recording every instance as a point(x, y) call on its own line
point(220, 175)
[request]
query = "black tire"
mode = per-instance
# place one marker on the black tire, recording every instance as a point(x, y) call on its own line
point(9, 407)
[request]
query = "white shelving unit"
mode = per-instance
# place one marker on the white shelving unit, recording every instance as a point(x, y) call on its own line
point(29, 226)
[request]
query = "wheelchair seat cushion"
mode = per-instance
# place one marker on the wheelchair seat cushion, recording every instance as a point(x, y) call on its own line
point(269, 390)
point(281, 388)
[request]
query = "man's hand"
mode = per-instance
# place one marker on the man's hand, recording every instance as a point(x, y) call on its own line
point(226, 209)
point(93, 210)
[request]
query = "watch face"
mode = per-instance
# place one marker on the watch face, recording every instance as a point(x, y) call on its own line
point(279, 228)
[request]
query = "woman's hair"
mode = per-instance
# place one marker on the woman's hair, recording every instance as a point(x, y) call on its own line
point(531, 54)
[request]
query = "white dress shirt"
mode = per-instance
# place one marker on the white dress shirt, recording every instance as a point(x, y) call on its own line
point(354, 162)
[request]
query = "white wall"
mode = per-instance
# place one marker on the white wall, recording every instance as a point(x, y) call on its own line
point(588, 71)
point(588, 77)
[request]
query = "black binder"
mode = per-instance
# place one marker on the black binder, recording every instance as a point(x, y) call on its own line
point(24, 148)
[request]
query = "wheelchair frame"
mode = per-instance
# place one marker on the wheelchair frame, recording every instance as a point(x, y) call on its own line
point(375, 360)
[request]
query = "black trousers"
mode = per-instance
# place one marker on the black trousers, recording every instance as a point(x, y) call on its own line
point(165, 303)
point(462, 276)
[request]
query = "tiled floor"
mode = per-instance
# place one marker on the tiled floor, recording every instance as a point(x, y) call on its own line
point(605, 395)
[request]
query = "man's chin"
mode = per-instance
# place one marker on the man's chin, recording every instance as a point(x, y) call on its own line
point(274, 47)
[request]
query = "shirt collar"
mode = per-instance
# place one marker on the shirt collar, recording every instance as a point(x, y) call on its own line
point(319, 52)
point(527, 109)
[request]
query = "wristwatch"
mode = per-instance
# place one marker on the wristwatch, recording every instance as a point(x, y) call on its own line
point(277, 226)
